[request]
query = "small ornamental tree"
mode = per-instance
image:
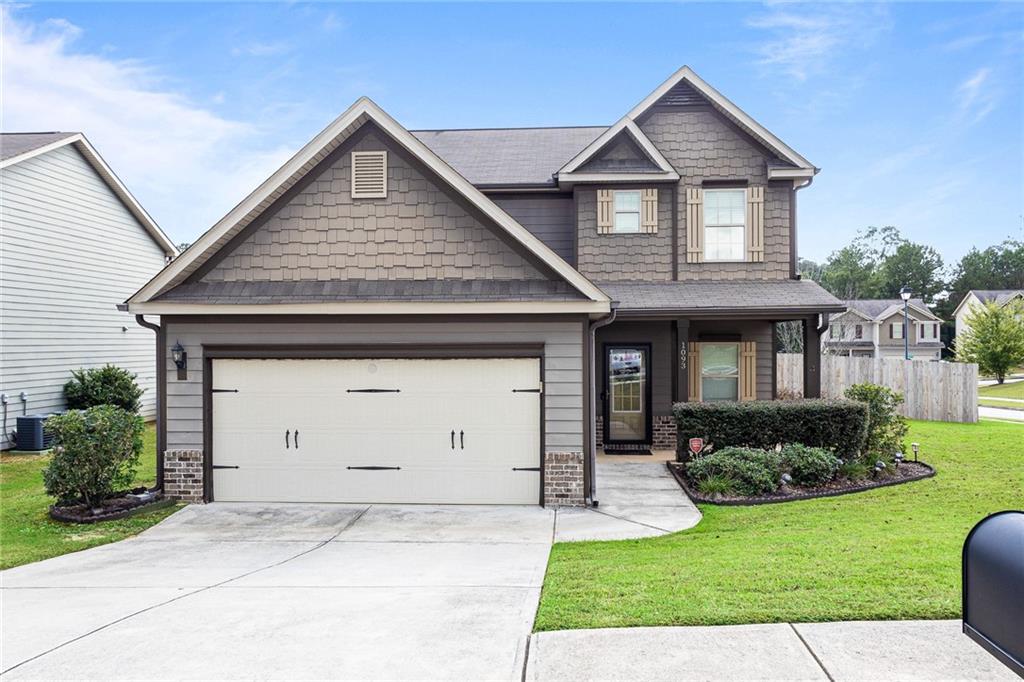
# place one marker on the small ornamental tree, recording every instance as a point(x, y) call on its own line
point(107, 385)
point(95, 454)
point(887, 428)
point(994, 339)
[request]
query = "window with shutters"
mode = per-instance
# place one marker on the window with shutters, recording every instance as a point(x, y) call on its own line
point(725, 225)
point(369, 175)
point(896, 330)
point(720, 371)
point(627, 211)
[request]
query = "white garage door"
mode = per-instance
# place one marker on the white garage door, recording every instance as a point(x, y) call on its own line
point(460, 431)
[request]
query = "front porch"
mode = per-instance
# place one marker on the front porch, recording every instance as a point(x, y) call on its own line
point(645, 363)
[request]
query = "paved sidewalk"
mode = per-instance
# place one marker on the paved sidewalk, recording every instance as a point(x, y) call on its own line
point(1000, 413)
point(896, 650)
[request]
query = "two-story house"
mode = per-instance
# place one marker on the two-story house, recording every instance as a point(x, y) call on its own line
point(976, 298)
point(465, 316)
point(876, 328)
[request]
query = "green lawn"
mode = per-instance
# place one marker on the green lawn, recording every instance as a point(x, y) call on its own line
point(1011, 389)
point(892, 553)
point(28, 534)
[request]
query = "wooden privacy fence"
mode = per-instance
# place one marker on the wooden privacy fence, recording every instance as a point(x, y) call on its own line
point(938, 391)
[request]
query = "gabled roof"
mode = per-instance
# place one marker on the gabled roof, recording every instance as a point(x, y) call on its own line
point(508, 156)
point(878, 309)
point(18, 147)
point(723, 296)
point(625, 126)
point(363, 111)
point(998, 296)
point(801, 167)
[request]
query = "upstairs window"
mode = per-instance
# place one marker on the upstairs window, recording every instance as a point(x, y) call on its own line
point(858, 331)
point(896, 330)
point(627, 211)
point(725, 212)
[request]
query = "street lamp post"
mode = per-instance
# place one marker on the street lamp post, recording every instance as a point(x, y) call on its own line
point(905, 294)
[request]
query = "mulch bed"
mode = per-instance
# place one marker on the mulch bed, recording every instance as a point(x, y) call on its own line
point(904, 473)
point(110, 509)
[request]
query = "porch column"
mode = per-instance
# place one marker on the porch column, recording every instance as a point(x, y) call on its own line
point(812, 358)
point(679, 360)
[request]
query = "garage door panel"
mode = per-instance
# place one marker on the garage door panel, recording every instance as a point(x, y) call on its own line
point(343, 428)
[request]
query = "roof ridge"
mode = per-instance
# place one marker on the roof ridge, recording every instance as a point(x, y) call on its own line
point(465, 130)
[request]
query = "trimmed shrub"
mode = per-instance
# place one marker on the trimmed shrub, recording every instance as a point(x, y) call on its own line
point(95, 454)
point(754, 472)
point(836, 425)
point(810, 466)
point(107, 385)
point(886, 427)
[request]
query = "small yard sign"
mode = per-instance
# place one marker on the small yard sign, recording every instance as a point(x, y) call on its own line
point(696, 445)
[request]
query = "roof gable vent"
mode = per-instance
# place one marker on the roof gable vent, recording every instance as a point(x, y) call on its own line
point(681, 95)
point(369, 175)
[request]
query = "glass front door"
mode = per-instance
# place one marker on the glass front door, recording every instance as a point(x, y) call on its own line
point(627, 397)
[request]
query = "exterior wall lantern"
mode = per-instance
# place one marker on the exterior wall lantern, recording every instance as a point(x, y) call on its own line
point(180, 357)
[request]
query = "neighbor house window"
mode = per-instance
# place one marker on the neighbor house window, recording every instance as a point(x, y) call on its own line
point(858, 331)
point(725, 224)
point(930, 330)
point(627, 211)
point(720, 371)
point(896, 330)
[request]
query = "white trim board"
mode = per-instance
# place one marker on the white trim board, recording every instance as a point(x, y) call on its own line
point(295, 168)
point(107, 173)
point(627, 126)
point(596, 308)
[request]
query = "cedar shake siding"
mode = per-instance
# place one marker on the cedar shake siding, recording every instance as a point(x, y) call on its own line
point(703, 147)
point(621, 155)
point(419, 232)
point(634, 256)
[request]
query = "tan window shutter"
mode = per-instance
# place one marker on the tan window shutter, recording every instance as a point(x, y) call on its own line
point(605, 211)
point(694, 371)
point(755, 224)
point(694, 225)
point(649, 211)
point(748, 370)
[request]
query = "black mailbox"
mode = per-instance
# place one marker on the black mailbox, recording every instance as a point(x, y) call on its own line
point(993, 587)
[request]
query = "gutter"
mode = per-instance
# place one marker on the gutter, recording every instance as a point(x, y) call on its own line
point(592, 392)
point(161, 393)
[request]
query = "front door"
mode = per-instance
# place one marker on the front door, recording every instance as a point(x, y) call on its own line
point(627, 394)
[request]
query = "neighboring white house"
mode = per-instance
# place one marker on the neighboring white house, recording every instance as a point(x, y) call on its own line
point(977, 297)
point(73, 244)
point(876, 328)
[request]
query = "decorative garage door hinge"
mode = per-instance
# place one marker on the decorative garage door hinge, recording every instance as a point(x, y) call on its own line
point(525, 468)
point(224, 466)
point(375, 468)
point(373, 390)
point(223, 390)
point(529, 390)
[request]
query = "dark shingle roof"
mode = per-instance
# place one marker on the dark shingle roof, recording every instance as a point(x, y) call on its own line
point(16, 144)
point(873, 307)
point(737, 295)
point(364, 290)
point(508, 156)
point(999, 296)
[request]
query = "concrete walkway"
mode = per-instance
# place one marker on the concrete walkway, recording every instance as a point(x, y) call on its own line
point(898, 650)
point(638, 498)
point(1000, 413)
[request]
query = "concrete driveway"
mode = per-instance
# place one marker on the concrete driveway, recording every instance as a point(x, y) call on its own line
point(287, 591)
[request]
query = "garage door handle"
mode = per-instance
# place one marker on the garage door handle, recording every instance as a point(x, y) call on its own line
point(462, 440)
point(286, 434)
point(453, 439)
point(296, 439)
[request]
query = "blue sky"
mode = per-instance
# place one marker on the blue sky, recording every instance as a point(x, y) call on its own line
point(913, 111)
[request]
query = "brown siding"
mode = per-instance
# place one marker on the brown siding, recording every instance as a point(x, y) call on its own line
point(701, 146)
point(759, 331)
point(548, 216)
point(622, 155)
point(417, 233)
point(659, 335)
point(623, 256)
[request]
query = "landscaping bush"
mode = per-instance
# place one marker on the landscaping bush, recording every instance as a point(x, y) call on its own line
point(716, 484)
point(886, 428)
point(854, 469)
point(810, 466)
point(836, 425)
point(753, 471)
point(95, 454)
point(107, 385)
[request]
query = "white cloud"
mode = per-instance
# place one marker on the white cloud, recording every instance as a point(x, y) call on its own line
point(186, 164)
point(806, 38)
point(977, 96)
point(261, 49)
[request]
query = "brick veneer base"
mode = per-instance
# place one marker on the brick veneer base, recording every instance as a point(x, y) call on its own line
point(664, 432)
point(183, 475)
point(563, 479)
